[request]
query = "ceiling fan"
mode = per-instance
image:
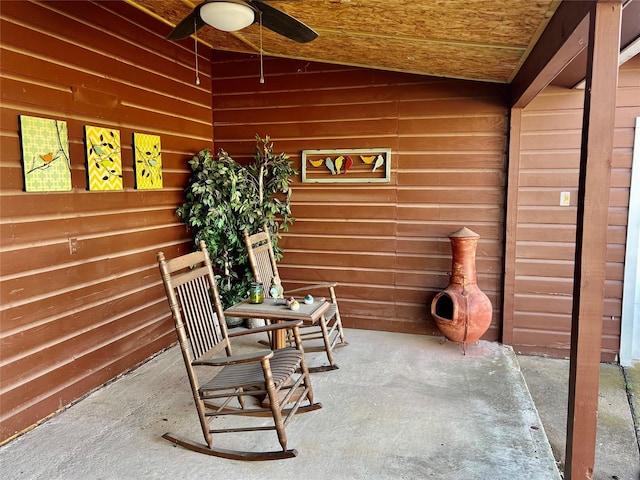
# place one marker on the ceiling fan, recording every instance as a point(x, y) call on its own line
point(233, 15)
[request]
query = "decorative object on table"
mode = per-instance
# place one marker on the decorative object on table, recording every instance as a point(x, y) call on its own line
point(45, 154)
point(346, 165)
point(294, 305)
point(462, 311)
point(147, 163)
point(256, 293)
point(308, 299)
point(104, 158)
point(224, 197)
point(276, 291)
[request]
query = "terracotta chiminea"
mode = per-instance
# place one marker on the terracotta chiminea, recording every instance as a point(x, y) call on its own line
point(462, 311)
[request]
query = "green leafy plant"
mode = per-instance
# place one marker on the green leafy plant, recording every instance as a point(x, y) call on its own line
point(224, 198)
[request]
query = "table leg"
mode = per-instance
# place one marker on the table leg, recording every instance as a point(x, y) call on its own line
point(279, 339)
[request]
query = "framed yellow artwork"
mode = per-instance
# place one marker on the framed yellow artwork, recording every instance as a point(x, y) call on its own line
point(147, 161)
point(104, 158)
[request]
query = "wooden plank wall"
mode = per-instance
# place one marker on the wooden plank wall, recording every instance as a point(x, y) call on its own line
point(545, 243)
point(386, 244)
point(72, 321)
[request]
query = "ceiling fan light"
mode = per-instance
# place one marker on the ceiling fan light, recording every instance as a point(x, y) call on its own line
point(226, 16)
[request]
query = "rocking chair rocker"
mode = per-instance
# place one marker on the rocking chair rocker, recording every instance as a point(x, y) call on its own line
point(281, 375)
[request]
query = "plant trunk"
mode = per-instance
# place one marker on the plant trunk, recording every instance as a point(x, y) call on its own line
point(261, 184)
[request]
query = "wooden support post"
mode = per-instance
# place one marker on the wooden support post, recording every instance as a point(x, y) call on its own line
point(591, 237)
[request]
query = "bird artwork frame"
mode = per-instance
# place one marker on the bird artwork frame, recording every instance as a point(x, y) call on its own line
point(45, 154)
point(104, 158)
point(147, 154)
point(355, 165)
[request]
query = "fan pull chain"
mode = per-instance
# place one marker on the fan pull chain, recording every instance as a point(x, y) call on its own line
point(195, 32)
point(261, 65)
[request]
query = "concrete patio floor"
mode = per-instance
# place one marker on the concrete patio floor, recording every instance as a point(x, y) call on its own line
point(434, 414)
point(617, 454)
point(400, 407)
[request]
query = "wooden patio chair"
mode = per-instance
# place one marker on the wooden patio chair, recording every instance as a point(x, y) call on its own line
point(233, 381)
point(323, 336)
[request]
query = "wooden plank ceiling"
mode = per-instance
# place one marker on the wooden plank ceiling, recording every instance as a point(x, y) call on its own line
point(483, 40)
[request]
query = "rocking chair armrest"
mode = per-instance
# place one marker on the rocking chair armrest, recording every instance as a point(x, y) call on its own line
point(235, 359)
point(268, 328)
point(318, 286)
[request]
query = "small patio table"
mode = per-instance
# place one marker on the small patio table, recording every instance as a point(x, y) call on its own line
point(279, 312)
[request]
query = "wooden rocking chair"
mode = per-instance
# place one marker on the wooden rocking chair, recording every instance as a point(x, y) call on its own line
point(327, 333)
point(282, 376)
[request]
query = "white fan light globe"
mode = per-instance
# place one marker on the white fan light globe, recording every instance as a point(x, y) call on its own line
point(228, 17)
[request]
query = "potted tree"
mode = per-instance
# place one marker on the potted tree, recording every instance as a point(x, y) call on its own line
point(224, 197)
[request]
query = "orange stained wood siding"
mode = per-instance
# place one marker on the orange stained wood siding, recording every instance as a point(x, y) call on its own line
point(71, 321)
point(546, 231)
point(386, 244)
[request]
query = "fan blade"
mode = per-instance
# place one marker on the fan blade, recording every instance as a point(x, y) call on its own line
point(187, 27)
point(283, 23)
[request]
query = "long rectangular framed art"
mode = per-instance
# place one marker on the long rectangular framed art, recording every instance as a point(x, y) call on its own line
point(356, 165)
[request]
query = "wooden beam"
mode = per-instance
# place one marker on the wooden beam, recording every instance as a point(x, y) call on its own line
point(591, 237)
point(563, 39)
point(511, 225)
point(629, 43)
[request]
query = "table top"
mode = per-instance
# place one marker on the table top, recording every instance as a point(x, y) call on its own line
point(278, 311)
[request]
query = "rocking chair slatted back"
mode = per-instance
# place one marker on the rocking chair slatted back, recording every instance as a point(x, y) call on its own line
point(203, 324)
point(262, 256)
point(192, 295)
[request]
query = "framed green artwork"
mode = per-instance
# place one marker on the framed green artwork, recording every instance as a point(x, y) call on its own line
point(104, 158)
point(45, 154)
point(147, 161)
